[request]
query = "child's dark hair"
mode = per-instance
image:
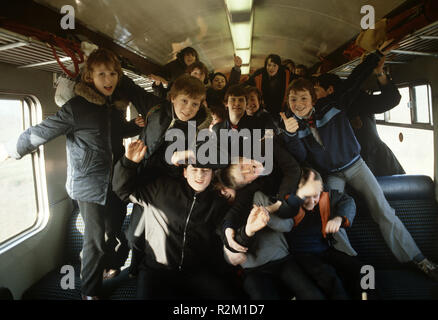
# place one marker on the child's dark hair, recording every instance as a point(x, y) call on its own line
point(237, 90)
point(275, 58)
point(305, 173)
point(198, 65)
point(186, 84)
point(218, 110)
point(101, 56)
point(302, 66)
point(329, 79)
point(187, 50)
point(301, 84)
point(251, 89)
point(219, 74)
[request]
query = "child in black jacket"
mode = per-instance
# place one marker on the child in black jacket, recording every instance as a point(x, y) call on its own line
point(182, 221)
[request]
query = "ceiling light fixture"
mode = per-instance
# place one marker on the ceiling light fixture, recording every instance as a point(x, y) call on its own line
point(240, 19)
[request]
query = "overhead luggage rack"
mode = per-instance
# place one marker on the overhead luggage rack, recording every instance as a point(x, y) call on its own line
point(25, 52)
point(423, 42)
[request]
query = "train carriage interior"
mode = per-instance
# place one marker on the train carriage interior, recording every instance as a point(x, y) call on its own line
point(41, 230)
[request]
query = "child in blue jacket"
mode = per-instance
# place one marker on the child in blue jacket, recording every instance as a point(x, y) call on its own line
point(319, 132)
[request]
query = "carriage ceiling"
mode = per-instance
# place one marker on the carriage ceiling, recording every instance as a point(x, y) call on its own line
point(295, 29)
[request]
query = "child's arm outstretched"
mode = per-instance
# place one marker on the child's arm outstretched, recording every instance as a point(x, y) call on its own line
point(53, 126)
point(344, 98)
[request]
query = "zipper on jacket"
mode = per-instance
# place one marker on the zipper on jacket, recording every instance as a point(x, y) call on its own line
point(185, 231)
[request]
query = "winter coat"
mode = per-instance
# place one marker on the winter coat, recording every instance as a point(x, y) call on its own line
point(181, 226)
point(94, 128)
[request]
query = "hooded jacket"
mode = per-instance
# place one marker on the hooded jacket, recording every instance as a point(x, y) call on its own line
point(94, 127)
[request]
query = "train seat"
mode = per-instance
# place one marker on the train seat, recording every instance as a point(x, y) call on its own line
point(413, 198)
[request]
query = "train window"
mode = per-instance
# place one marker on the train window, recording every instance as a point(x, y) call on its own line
point(20, 179)
point(423, 104)
point(408, 129)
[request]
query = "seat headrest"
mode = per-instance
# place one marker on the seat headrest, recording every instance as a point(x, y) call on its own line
point(407, 187)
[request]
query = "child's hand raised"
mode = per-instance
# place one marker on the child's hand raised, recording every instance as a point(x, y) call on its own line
point(136, 151)
point(333, 225)
point(387, 46)
point(237, 61)
point(291, 124)
point(257, 220)
point(139, 121)
point(181, 157)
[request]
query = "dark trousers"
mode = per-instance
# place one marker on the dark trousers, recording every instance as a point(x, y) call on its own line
point(164, 284)
point(136, 241)
point(336, 273)
point(104, 244)
point(280, 280)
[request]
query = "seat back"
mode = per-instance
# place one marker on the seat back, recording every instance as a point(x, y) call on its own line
point(412, 197)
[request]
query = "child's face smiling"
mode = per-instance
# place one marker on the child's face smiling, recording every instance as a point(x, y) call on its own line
point(105, 79)
point(300, 103)
point(198, 178)
point(271, 68)
point(253, 104)
point(189, 58)
point(186, 107)
point(311, 202)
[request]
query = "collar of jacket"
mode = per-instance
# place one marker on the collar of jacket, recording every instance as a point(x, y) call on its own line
point(199, 195)
point(203, 118)
point(91, 95)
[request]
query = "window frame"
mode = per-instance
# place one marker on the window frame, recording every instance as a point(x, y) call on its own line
point(38, 170)
point(413, 107)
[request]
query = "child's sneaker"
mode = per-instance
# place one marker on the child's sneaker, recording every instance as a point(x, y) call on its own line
point(429, 268)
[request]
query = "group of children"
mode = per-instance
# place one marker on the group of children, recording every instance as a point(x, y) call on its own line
point(195, 223)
